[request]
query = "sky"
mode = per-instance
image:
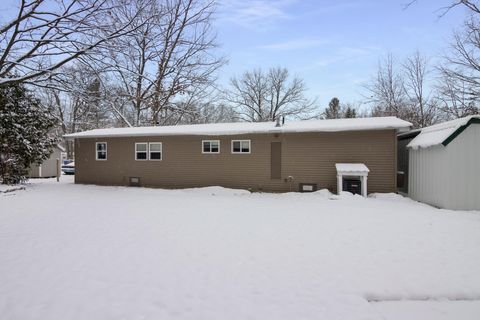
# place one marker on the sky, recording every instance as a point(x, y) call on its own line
point(334, 46)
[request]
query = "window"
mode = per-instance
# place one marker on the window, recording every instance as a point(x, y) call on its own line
point(141, 151)
point(101, 151)
point(155, 151)
point(211, 146)
point(240, 146)
point(148, 151)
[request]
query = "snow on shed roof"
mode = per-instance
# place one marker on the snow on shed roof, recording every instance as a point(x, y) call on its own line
point(218, 129)
point(440, 133)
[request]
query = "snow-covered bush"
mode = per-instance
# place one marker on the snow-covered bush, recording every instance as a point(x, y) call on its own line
point(25, 127)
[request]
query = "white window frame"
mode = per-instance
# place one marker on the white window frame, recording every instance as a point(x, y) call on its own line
point(146, 151)
point(211, 152)
point(150, 152)
point(241, 152)
point(96, 151)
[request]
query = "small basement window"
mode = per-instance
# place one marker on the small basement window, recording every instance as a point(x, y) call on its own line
point(210, 146)
point(141, 150)
point(101, 151)
point(241, 146)
point(155, 151)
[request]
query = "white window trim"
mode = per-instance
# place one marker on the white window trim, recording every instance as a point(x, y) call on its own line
point(96, 151)
point(161, 151)
point(241, 152)
point(210, 152)
point(146, 151)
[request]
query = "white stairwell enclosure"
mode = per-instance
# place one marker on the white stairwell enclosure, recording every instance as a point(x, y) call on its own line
point(352, 170)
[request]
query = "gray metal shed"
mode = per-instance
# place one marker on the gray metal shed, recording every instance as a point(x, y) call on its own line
point(444, 165)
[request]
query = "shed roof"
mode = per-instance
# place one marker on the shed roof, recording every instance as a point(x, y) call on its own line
point(409, 134)
point(442, 133)
point(218, 129)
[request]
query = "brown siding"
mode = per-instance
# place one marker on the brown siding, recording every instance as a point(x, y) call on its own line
point(307, 157)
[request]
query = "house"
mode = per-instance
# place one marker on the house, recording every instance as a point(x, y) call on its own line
point(264, 156)
point(444, 165)
point(48, 168)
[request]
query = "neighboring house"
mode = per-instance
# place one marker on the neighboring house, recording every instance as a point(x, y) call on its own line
point(48, 168)
point(263, 156)
point(402, 159)
point(444, 165)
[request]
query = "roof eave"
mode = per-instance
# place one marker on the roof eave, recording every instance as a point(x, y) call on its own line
point(460, 129)
point(274, 131)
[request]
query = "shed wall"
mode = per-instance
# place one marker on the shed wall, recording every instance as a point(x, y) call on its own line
point(48, 167)
point(448, 177)
point(307, 157)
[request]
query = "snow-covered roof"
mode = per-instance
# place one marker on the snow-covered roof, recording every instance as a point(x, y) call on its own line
point(351, 168)
point(439, 133)
point(218, 129)
point(409, 134)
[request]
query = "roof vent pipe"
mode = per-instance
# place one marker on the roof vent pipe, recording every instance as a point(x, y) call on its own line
point(278, 120)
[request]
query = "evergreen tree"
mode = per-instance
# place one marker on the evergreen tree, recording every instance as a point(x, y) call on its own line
point(24, 133)
point(333, 110)
point(350, 113)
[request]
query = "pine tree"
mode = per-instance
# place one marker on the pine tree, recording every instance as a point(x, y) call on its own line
point(333, 110)
point(24, 133)
point(350, 113)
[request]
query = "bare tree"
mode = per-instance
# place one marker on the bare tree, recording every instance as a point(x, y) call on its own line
point(214, 113)
point(386, 90)
point(48, 34)
point(264, 96)
point(206, 112)
point(78, 99)
point(186, 62)
point(200, 104)
point(463, 63)
point(169, 56)
point(132, 59)
point(423, 107)
point(454, 99)
point(459, 82)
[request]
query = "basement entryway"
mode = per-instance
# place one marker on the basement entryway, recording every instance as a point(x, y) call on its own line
point(352, 177)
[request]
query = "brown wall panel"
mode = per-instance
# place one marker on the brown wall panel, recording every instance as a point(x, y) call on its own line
point(276, 160)
point(307, 157)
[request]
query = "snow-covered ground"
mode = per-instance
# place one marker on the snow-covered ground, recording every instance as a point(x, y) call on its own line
point(89, 252)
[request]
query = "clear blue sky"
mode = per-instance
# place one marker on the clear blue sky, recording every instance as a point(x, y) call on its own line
point(333, 45)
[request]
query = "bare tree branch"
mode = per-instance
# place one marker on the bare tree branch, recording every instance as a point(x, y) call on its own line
point(386, 90)
point(46, 35)
point(423, 108)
